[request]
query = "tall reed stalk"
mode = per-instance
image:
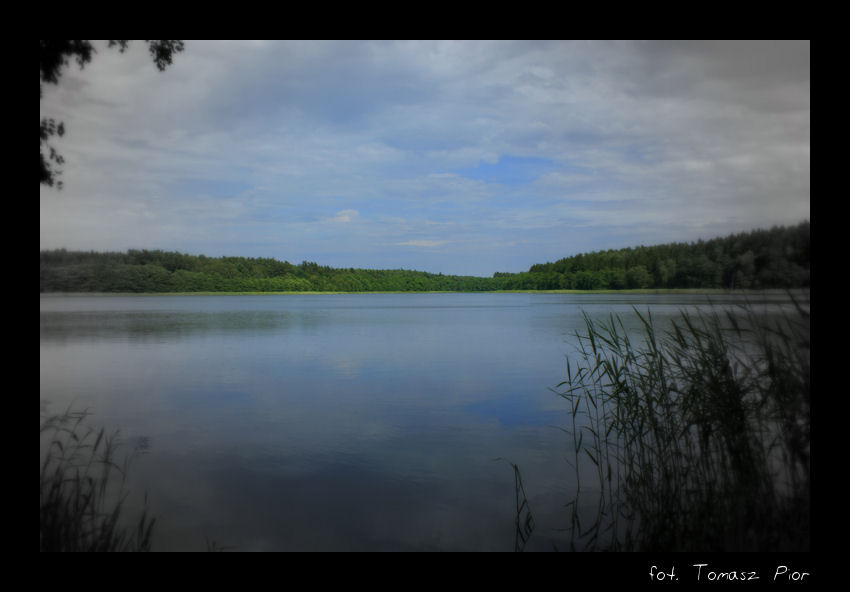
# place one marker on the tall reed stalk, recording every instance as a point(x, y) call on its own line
point(82, 491)
point(696, 438)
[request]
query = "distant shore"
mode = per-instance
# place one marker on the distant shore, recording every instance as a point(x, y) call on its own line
point(319, 293)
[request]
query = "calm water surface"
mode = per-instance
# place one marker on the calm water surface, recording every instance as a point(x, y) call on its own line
point(335, 422)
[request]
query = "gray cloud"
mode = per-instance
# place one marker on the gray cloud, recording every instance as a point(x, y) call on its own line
point(267, 148)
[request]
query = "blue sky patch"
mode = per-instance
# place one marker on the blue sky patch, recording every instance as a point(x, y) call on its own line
point(510, 170)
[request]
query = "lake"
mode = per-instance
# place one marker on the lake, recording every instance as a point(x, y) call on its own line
point(336, 422)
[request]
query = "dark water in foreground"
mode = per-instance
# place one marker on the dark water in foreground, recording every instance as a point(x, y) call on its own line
point(335, 422)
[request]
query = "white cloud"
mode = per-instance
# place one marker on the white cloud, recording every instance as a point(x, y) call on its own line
point(345, 216)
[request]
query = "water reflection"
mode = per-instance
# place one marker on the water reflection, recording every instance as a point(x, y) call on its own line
point(147, 325)
point(352, 422)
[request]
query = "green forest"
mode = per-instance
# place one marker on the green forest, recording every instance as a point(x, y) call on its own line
point(760, 259)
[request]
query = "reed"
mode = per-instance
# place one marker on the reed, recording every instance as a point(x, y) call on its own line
point(82, 490)
point(696, 438)
point(524, 518)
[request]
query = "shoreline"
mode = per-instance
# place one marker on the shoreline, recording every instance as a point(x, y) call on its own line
point(328, 293)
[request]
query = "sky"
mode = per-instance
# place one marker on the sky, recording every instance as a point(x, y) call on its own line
point(455, 157)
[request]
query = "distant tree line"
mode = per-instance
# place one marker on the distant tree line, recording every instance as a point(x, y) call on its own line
point(760, 259)
point(775, 258)
point(163, 271)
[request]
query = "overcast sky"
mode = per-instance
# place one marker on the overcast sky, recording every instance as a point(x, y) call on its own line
point(460, 157)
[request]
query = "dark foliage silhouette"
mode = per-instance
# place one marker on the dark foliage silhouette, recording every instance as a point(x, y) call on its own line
point(55, 55)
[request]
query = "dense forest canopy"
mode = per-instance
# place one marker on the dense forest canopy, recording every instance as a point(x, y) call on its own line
point(761, 259)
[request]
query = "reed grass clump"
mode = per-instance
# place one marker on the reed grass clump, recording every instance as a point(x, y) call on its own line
point(696, 438)
point(82, 490)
